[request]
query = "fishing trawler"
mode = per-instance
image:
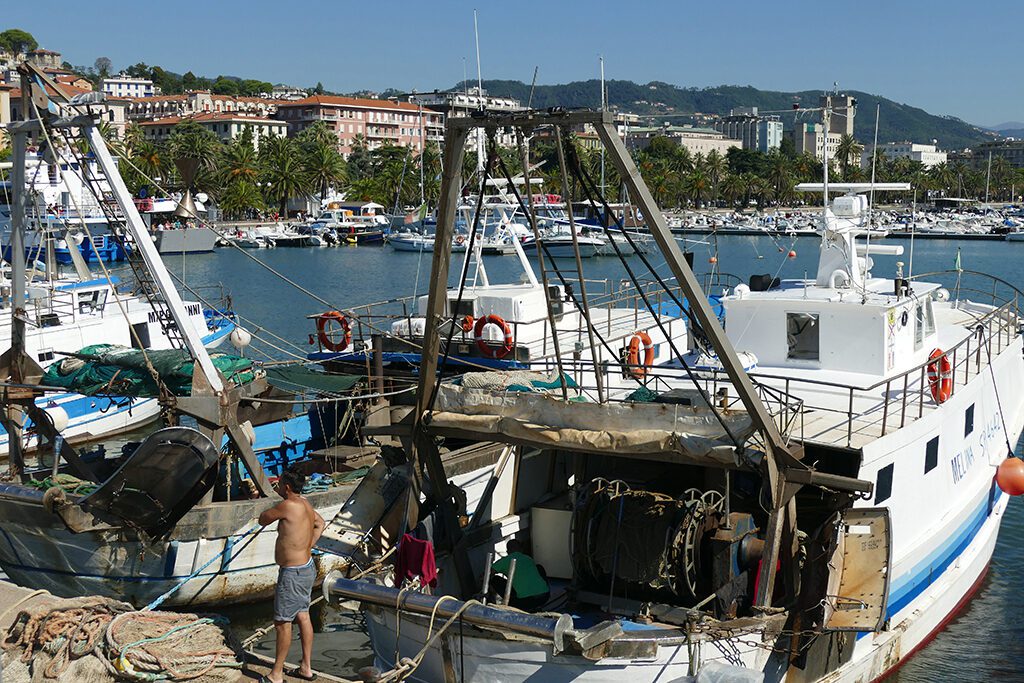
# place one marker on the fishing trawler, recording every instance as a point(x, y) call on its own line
point(173, 519)
point(505, 325)
point(814, 518)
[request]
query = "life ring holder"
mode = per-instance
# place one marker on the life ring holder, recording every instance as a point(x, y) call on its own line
point(940, 376)
point(636, 369)
point(323, 335)
point(486, 349)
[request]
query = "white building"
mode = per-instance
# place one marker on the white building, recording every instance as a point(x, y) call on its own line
point(463, 103)
point(124, 85)
point(927, 155)
point(701, 141)
point(282, 91)
point(226, 126)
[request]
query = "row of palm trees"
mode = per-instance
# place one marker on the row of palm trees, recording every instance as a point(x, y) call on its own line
point(245, 178)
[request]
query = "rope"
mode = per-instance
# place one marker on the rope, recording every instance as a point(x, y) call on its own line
point(65, 482)
point(407, 666)
point(65, 634)
point(160, 600)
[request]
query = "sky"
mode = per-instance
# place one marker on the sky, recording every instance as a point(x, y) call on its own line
point(956, 58)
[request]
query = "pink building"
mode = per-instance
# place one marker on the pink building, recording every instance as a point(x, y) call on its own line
point(378, 122)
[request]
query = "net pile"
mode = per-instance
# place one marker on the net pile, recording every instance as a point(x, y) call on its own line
point(88, 640)
point(107, 369)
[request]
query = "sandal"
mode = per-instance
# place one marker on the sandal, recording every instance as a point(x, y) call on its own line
point(294, 673)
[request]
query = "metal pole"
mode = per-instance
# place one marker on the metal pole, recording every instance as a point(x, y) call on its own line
point(155, 265)
point(508, 584)
point(17, 351)
point(567, 200)
point(424, 448)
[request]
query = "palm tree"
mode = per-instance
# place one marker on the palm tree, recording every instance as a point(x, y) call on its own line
point(716, 167)
point(778, 172)
point(733, 187)
point(848, 151)
point(283, 174)
point(325, 167)
point(239, 164)
point(697, 187)
point(239, 197)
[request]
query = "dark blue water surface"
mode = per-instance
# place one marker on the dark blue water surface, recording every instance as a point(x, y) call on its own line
point(984, 642)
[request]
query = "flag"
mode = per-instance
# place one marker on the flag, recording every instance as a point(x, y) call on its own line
point(956, 263)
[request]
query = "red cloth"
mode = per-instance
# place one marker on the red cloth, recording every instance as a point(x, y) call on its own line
point(415, 558)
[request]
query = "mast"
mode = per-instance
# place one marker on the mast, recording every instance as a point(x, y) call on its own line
point(988, 175)
point(480, 147)
point(604, 107)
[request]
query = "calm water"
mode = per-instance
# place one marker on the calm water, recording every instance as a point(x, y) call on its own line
point(986, 641)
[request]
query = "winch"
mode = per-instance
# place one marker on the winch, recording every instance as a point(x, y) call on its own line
point(649, 543)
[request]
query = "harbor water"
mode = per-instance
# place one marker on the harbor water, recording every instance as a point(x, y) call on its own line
point(985, 641)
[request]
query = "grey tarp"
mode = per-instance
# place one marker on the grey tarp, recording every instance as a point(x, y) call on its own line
point(545, 421)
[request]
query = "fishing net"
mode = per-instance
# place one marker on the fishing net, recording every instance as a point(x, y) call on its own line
point(106, 369)
point(87, 640)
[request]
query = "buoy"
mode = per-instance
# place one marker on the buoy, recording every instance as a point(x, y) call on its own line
point(713, 259)
point(792, 254)
point(58, 415)
point(1010, 476)
point(240, 338)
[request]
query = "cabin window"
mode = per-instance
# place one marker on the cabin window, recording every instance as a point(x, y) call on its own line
point(883, 484)
point(931, 455)
point(969, 420)
point(802, 336)
point(924, 323)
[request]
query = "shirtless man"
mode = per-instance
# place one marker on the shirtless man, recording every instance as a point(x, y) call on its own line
point(298, 528)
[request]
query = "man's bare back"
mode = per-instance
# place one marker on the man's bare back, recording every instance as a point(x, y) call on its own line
point(298, 528)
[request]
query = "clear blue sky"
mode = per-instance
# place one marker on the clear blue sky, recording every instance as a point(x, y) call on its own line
point(947, 57)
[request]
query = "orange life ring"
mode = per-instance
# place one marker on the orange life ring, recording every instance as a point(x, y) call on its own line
point(467, 323)
point(323, 333)
point(485, 348)
point(460, 240)
point(940, 376)
point(636, 369)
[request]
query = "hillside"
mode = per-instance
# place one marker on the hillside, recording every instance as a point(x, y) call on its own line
point(898, 121)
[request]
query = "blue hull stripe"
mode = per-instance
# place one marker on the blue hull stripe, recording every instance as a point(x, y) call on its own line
point(927, 572)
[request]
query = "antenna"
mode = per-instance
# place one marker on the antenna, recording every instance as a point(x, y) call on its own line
point(871, 201)
point(479, 78)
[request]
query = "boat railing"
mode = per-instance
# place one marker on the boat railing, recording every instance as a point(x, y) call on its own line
point(904, 396)
point(56, 307)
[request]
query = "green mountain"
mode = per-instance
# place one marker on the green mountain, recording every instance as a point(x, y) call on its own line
point(897, 121)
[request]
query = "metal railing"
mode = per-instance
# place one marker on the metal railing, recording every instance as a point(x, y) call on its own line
point(897, 400)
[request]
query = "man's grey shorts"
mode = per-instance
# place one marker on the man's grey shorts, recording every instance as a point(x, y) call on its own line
point(294, 588)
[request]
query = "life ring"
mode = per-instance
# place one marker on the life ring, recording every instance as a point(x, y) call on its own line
point(323, 334)
point(636, 369)
point(460, 240)
point(940, 376)
point(485, 348)
point(467, 323)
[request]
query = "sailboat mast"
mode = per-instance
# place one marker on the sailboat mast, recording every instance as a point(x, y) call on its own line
point(480, 149)
point(604, 107)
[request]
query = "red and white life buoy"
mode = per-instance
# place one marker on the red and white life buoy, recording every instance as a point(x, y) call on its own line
point(636, 368)
point(481, 343)
point(940, 376)
point(325, 335)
